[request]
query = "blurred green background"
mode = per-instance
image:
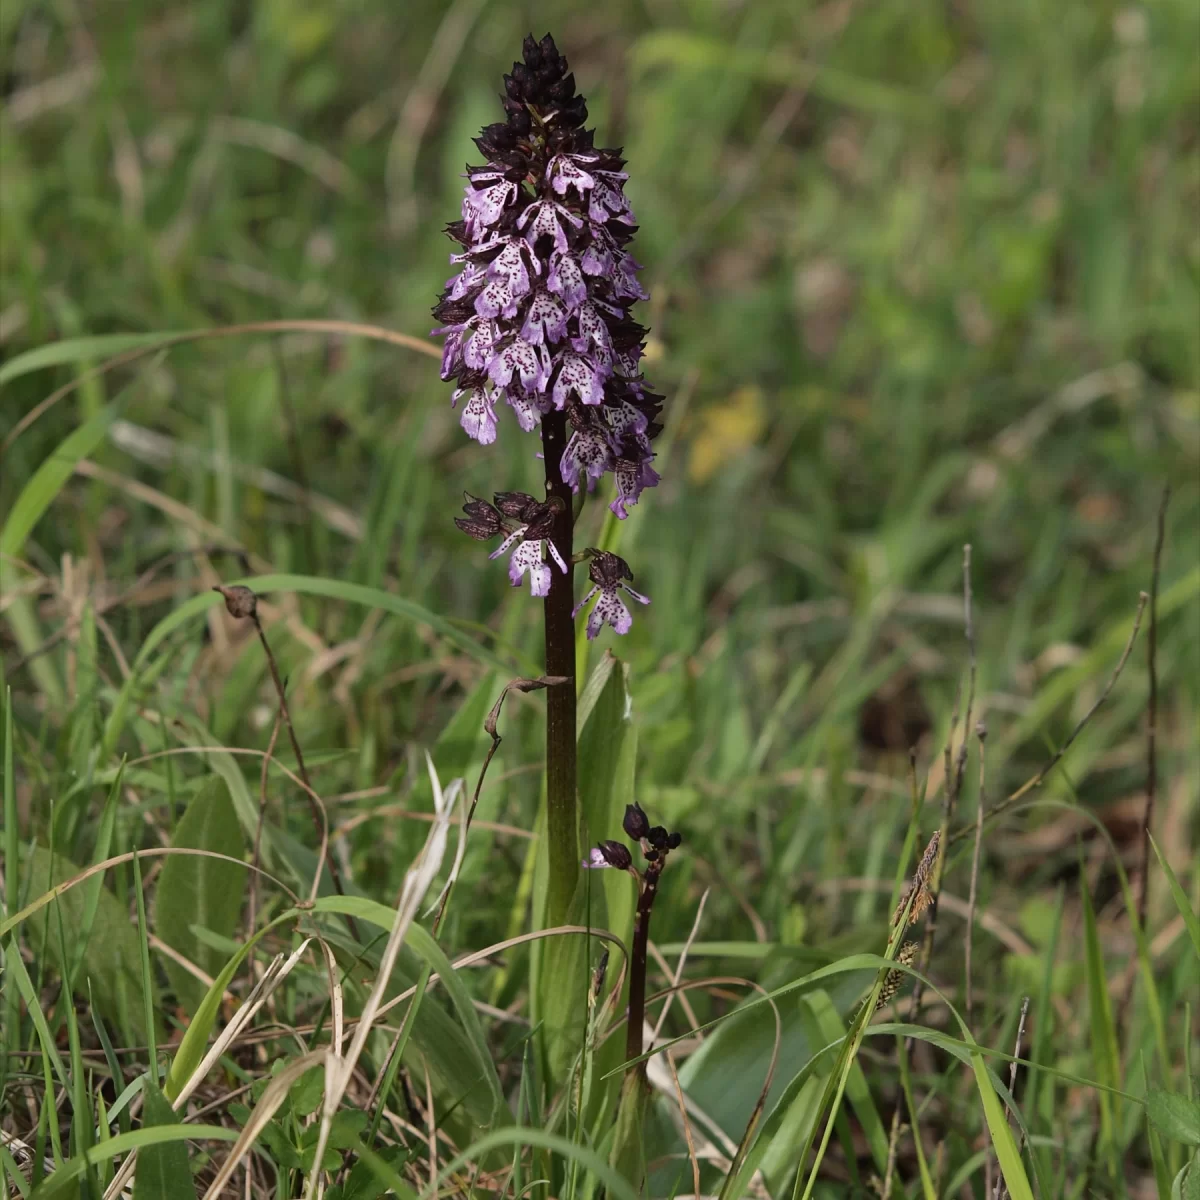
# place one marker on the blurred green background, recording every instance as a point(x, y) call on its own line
point(922, 274)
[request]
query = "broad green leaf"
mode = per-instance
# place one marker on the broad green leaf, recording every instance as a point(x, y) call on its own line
point(1188, 1180)
point(1175, 1116)
point(196, 890)
point(628, 1152)
point(607, 756)
point(111, 959)
point(162, 1168)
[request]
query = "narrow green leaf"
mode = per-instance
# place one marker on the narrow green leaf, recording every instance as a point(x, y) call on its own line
point(162, 1168)
point(1007, 1155)
point(1103, 1031)
point(195, 1038)
point(62, 1181)
point(1181, 901)
point(78, 350)
point(15, 970)
point(35, 497)
point(47, 481)
point(95, 885)
point(12, 879)
point(334, 589)
point(422, 942)
point(1175, 1116)
point(194, 890)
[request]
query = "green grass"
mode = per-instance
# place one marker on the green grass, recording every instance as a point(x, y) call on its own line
point(922, 275)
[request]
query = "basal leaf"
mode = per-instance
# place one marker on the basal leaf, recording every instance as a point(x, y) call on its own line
point(162, 1167)
point(194, 890)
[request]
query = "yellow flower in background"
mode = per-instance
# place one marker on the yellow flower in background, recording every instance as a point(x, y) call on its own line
point(726, 431)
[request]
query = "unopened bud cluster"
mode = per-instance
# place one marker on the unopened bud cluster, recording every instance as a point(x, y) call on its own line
point(656, 843)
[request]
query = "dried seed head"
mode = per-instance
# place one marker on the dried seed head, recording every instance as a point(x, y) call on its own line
point(482, 521)
point(919, 888)
point(891, 985)
point(240, 602)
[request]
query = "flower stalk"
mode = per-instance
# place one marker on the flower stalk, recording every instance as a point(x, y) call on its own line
point(561, 818)
point(656, 844)
point(538, 318)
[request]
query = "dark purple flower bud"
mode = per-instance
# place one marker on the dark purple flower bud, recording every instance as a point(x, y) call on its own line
point(635, 824)
point(515, 504)
point(608, 573)
point(539, 313)
point(658, 837)
point(609, 854)
point(674, 841)
point(482, 520)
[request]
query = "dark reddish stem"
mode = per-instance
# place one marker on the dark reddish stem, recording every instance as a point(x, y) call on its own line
point(561, 821)
point(637, 965)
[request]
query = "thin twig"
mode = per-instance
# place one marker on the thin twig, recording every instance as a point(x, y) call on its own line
point(489, 726)
point(981, 733)
point(687, 1125)
point(1001, 1191)
point(241, 603)
point(262, 808)
point(1036, 781)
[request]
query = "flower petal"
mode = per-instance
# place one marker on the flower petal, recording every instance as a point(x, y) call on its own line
point(508, 541)
point(578, 374)
point(565, 279)
point(545, 320)
point(564, 173)
point(528, 557)
point(478, 417)
point(612, 611)
point(583, 602)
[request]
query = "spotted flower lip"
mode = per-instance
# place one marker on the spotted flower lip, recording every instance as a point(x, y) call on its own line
point(608, 573)
point(539, 312)
point(534, 529)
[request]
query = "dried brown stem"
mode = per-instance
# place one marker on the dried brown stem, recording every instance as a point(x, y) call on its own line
point(1001, 1191)
point(242, 604)
point(981, 733)
point(262, 808)
point(489, 726)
